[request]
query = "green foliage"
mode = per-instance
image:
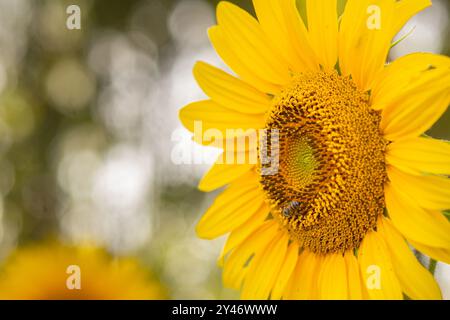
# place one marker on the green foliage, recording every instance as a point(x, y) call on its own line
point(447, 214)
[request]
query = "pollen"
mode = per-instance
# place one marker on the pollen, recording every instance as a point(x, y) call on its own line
point(327, 191)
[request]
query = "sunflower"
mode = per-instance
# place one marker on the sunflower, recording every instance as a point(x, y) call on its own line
point(357, 184)
point(57, 272)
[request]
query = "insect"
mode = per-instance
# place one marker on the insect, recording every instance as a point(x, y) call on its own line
point(287, 212)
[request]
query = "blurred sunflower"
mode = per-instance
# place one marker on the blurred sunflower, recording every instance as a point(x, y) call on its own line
point(356, 181)
point(57, 272)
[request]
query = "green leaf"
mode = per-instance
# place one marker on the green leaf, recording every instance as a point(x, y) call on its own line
point(432, 266)
point(447, 214)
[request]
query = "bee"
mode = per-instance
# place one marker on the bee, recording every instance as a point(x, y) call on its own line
point(288, 211)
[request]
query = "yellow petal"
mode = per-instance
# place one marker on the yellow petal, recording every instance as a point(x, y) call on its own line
point(377, 270)
point(239, 146)
point(429, 192)
point(236, 265)
point(285, 272)
point(248, 42)
point(363, 43)
point(416, 281)
point(413, 92)
point(363, 51)
point(303, 284)
point(230, 92)
point(438, 254)
point(323, 30)
point(264, 269)
point(420, 155)
point(239, 150)
point(210, 116)
point(216, 126)
point(355, 287)
point(231, 208)
point(405, 75)
point(333, 282)
point(418, 116)
point(415, 223)
point(405, 9)
point(234, 61)
point(280, 21)
point(222, 174)
point(238, 235)
point(298, 35)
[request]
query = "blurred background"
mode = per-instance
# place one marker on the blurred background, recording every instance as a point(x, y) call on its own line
point(89, 127)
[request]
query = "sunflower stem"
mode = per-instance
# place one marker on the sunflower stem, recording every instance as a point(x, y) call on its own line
point(432, 266)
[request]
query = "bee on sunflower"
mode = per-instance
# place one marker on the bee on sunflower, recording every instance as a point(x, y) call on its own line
point(358, 184)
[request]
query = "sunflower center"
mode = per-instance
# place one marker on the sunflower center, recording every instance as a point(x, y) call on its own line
point(300, 161)
point(328, 188)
